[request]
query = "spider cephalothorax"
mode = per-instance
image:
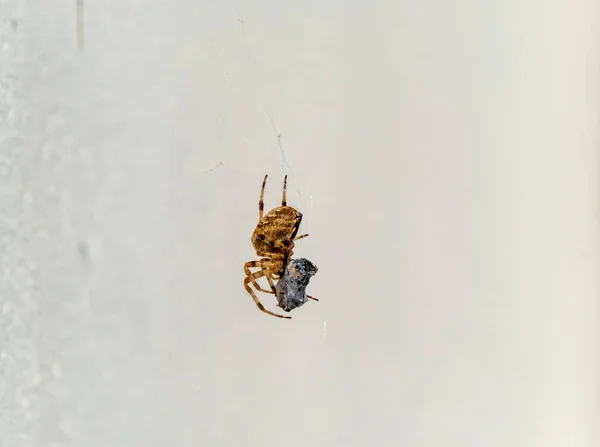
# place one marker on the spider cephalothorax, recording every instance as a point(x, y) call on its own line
point(273, 239)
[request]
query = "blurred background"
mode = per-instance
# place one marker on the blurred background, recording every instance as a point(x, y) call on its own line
point(445, 158)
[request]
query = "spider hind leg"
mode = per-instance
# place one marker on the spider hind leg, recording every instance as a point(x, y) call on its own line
point(261, 203)
point(284, 199)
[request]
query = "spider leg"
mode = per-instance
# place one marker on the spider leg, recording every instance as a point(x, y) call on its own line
point(300, 237)
point(261, 203)
point(280, 246)
point(258, 303)
point(284, 201)
point(272, 284)
point(254, 276)
point(267, 275)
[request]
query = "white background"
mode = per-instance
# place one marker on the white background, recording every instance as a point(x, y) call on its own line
point(444, 155)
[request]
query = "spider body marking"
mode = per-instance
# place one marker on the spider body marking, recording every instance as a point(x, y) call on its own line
point(276, 231)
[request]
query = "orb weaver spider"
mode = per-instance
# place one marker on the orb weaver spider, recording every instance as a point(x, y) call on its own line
point(273, 239)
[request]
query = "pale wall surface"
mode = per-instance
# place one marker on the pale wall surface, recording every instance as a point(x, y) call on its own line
point(443, 155)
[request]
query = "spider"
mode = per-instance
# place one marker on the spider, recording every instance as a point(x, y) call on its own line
point(273, 239)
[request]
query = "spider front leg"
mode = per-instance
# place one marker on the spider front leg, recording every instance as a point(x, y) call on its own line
point(271, 283)
point(258, 303)
point(251, 278)
point(254, 276)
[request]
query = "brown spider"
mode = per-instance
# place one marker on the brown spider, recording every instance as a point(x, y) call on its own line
point(273, 239)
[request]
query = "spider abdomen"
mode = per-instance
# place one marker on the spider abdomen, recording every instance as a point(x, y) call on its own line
point(280, 224)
